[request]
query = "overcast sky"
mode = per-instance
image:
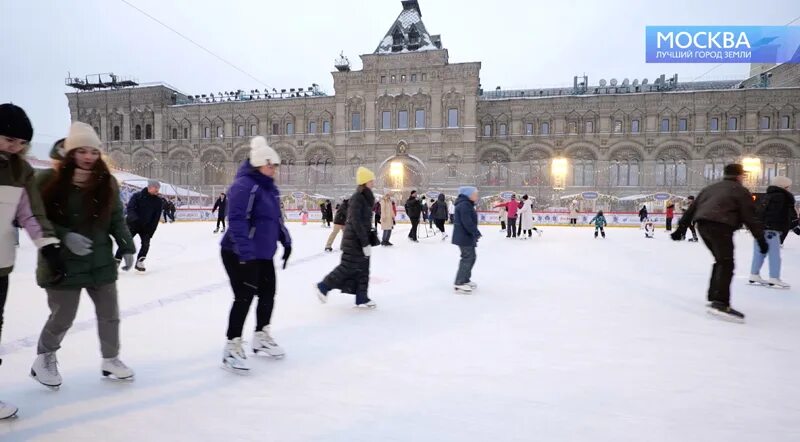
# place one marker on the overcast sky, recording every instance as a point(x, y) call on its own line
point(521, 43)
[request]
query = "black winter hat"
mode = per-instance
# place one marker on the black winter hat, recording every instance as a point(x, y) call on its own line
point(733, 170)
point(14, 123)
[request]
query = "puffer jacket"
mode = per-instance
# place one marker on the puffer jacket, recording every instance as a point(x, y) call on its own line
point(439, 208)
point(352, 274)
point(413, 208)
point(779, 213)
point(144, 212)
point(727, 202)
point(465, 223)
point(341, 213)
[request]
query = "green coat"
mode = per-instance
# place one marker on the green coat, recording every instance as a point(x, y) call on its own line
point(99, 267)
point(599, 221)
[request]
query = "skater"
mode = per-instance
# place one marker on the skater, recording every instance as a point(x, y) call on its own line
point(377, 210)
point(466, 236)
point(439, 214)
point(451, 210)
point(425, 210)
point(352, 273)
point(248, 251)
point(670, 214)
point(328, 213)
point(221, 204)
point(387, 219)
point(144, 211)
point(304, 216)
point(720, 210)
point(21, 205)
point(643, 214)
point(573, 213)
point(169, 210)
point(649, 229)
point(526, 218)
point(512, 207)
point(599, 221)
point(413, 211)
point(684, 208)
point(503, 218)
point(338, 224)
point(430, 215)
point(775, 210)
point(81, 197)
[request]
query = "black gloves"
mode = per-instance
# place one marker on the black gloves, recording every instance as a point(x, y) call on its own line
point(678, 234)
point(763, 247)
point(52, 255)
point(287, 252)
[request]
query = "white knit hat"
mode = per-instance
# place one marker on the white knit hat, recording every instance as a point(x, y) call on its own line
point(261, 154)
point(781, 181)
point(81, 135)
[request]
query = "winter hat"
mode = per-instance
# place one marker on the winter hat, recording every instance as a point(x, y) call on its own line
point(364, 175)
point(733, 170)
point(14, 123)
point(154, 183)
point(467, 190)
point(81, 135)
point(57, 151)
point(261, 154)
point(781, 181)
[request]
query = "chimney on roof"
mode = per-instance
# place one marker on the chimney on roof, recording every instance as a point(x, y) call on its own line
point(411, 4)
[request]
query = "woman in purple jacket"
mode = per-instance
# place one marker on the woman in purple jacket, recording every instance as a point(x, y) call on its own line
point(255, 226)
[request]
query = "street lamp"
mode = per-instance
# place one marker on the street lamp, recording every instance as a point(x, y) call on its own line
point(558, 171)
point(752, 169)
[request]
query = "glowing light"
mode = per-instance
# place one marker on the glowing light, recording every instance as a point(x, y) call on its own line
point(558, 171)
point(396, 169)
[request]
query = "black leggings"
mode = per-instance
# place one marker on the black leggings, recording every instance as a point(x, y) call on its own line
point(440, 224)
point(221, 219)
point(3, 294)
point(248, 282)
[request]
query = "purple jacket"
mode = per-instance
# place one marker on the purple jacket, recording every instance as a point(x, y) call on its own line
point(255, 224)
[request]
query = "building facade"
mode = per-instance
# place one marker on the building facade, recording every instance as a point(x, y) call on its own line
point(423, 122)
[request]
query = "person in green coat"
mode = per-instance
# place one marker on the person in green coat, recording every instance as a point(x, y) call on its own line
point(81, 199)
point(599, 221)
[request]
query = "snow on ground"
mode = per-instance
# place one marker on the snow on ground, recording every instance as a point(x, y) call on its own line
point(568, 339)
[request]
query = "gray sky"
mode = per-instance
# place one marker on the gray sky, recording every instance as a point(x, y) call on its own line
point(521, 43)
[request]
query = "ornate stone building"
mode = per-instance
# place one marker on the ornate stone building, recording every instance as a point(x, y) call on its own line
point(410, 105)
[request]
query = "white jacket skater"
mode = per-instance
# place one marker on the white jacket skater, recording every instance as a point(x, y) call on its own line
point(526, 214)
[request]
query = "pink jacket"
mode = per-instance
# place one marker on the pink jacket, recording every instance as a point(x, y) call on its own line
point(512, 207)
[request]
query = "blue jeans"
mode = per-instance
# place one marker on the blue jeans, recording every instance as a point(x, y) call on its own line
point(774, 240)
point(468, 258)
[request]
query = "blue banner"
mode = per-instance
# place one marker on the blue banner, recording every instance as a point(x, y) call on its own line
point(723, 44)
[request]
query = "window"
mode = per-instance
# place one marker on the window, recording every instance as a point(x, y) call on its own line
point(419, 118)
point(402, 78)
point(683, 125)
point(326, 127)
point(383, 79)
point(732, 121)
point(785, 122)
point(487, 130)
point(714, 124)
point(545, 129)
point(452, 171)
point(452, 117)
point(624, 172)
point(635, 126)
point(386, 120)
point(572, 127)
point(716, 160)
point(394, 78)
point(402, 119)
point(220, 132)
point(206, 132)
point(764, 123)
point(670, 172)
point(618, 126)
point(355, 121)
point(289, 128)
point(276, 128)
point(137, 132)
point(424, 77)
point(116, 133)
point(148, 132)
point(174, 133)
point(185, 133)
point(665, 125)
point(502, 129)
point(583, 172)
point(529, 129)
point(413, 78)
point(588, 127)
point(240, 130)
point(253, 130)
point(312, 127)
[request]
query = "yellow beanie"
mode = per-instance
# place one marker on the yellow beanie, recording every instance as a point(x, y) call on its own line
point(364, 175)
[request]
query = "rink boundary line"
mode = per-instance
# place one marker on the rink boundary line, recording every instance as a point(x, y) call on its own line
point(86, 324)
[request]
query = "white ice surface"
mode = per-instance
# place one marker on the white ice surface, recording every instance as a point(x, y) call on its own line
point(568, 339)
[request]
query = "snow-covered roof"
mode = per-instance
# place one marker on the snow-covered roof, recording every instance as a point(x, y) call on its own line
point(410, 33)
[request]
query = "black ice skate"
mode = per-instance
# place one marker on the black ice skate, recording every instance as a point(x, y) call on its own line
point(725, 312)
point(140, 264)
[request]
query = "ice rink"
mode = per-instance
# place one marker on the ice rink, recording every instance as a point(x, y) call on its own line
point(567, 338)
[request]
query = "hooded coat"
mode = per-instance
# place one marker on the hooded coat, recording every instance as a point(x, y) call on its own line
point(387, 213)
point(341, 213)
point(526, 215)
point(352, 273)
point(439, 208)
point(465, 223)
point(778, 213)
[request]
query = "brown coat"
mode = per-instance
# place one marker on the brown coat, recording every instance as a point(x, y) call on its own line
point(726, 202)
point(387, 213)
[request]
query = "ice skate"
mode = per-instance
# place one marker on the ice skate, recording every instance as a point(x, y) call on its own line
point(140, 264)
point(216, 230)
point(472, 285)
point(463, 289)
point(539, 232)
point(777, 283)
point(445, 236)
point(45, 370)
point(725, 312)
point(114, 369)
point(233, 357)
point(756, 279)
point(322, 293)
point(264, 344)
point(369, 305)
point(329, 249)
point(223, 230)
point(7, 410)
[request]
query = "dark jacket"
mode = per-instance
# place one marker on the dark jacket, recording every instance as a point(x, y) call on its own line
point(341, 213)
point(465, 223)
point(255, 224)
point(439, 208)
point(778, 210)
point(359, 222)
point(413, 208)
point(643, 214)
point(221, 204)
point(144, 212)
point(99, 267)
point(726, 202)
point(327, 212)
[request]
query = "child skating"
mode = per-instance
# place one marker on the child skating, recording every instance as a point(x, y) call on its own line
point(599, 223)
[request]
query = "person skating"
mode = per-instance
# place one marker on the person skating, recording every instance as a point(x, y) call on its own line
point(21, 204)
point(144, 211)
point(720, 210)
point(670, 213)
point(81, 199)
point(377, 210)
point(352, 273)
point(776, 212)
point(169, 210)
point(466, 236)
point(387, 219)
point(430, 214)
point(248, 250)
point(526, 218)
point(425, 210)
point(413, 211)
point(599, 221)
point(451, 210)
point(503, 218)
point(643, 214)
point(220, 204)
point(328, 213)
point(512, 207)
point(338, 224)
point(684, 207)
point(439, 214)
point(573, 213)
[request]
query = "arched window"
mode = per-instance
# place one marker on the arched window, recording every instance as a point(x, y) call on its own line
point(174, 133)
point(116, 133)
point(487, 130)
point(240, 130)
point(583, 168)
point(206, 132)
point(536, 168)
point(148, 132)
point(624, 169)
point(716, 159)
point(312, 127)
point(137, 132)
point(220, 132)
point(775, 161)
point(502, 129)
point(494, 168)
point(671, 169)
point(289, 128)
point(545, 129)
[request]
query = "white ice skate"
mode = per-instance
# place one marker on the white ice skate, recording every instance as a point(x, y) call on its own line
point(7, 410)
point(445, 236)
point(472, 285)
point(369, 305)
point(264, 344)
point(140, 264)
point(539, 232)
point(114, 369)
point(778, 284)
point(756, 279)
point(233, 357)
point(45, 370)
point(463, 289)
